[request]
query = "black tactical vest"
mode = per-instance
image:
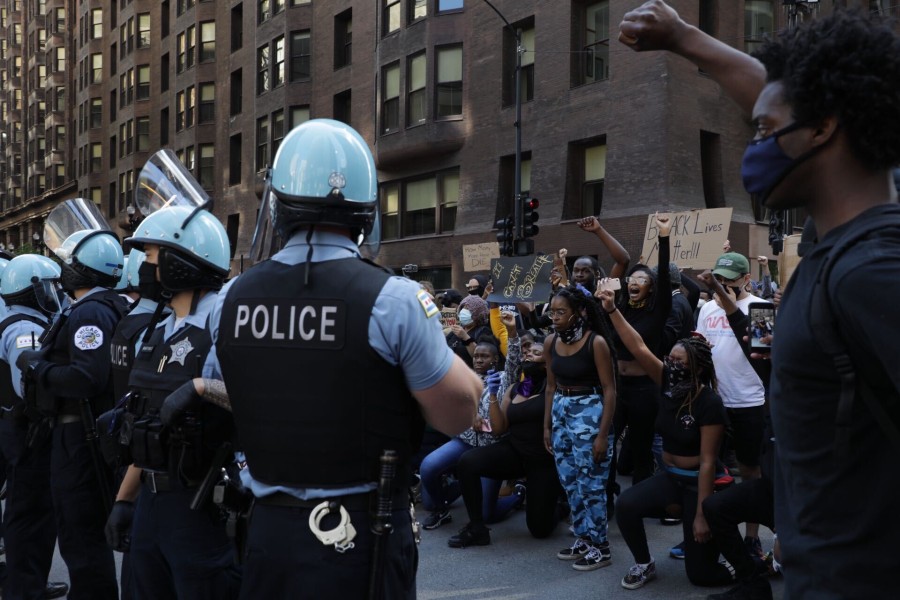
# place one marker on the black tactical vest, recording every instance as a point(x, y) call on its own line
point(160, 367)
point(8, 396)
point(121, 349)
point(313, 403)
point(57, 341)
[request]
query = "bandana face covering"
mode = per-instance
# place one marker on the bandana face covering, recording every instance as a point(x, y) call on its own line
point(573, 333)
point(679, 379)
point(535, 375)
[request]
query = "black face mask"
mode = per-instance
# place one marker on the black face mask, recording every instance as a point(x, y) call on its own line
point(736, 290)
point(148, 286)
point(537, 372)
point(477, 291)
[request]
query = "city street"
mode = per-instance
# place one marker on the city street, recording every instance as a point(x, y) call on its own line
point(515, 566)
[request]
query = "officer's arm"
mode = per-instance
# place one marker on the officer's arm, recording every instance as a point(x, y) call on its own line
point(450, 406)
point(87, 374)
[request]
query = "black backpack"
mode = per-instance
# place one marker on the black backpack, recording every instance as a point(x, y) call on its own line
point(825, 329)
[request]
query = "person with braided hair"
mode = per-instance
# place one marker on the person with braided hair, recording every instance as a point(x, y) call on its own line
point(580, 401)
point(691, 420)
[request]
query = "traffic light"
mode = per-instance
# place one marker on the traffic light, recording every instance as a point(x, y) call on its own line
point(505, 236)
point(530, 217)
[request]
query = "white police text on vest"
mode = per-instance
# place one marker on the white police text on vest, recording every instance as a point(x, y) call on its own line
point(287, 323)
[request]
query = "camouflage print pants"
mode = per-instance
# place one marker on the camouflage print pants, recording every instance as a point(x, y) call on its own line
point(576, 420)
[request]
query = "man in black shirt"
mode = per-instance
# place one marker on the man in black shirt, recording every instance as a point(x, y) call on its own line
point(825, 98)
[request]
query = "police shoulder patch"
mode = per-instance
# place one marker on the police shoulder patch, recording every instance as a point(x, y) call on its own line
point(88, 337)
point(26, 341)
point(427, 303)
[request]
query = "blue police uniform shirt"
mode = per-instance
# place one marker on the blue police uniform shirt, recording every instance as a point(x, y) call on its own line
point(4, 311)
point(18, 337)
point(173, 324)
point(404, 330)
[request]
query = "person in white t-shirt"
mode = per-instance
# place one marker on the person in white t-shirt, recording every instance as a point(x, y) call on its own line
point(741, 389)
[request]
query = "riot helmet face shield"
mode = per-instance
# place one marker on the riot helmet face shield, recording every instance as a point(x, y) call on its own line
point(165, 181)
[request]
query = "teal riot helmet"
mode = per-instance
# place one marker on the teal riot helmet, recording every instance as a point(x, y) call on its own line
point(88, 249)
point(3, 263)
point(132, 269)
point(122, 284)
point(164, 181)
point(194, 251)
point(322, 174)
point(32, 280)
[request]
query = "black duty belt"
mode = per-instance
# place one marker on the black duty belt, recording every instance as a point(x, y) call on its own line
point(579, 390)
point(162, 482)
point(67, 419)
point(353, 502)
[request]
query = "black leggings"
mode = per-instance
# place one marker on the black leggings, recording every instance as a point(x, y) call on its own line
point(637, 402)
point(650, 499)
point(502, 461)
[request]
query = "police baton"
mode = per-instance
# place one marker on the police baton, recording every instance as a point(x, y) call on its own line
point(93, 444)
point(381, 522)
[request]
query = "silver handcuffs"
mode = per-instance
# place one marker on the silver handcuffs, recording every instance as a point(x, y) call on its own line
point(342, 535)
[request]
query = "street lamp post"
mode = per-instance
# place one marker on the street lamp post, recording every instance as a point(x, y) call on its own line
point(517, 204)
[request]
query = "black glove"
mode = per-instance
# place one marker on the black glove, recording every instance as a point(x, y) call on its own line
point(178, 402)
point(118, 526)
point(29, 358)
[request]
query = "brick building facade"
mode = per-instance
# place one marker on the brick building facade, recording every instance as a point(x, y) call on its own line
point(90, 88)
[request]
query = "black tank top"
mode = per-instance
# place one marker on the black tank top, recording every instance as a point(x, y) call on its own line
point(577, 370)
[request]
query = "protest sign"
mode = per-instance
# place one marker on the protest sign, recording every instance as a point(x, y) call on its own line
point(695, 241)
point(521, 279)
point(477, 257)
point(448, 318)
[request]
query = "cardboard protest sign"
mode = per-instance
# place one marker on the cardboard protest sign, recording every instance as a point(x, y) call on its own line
point(477, 257)
point(448, 317)
point(695, 241)
point(521, 279)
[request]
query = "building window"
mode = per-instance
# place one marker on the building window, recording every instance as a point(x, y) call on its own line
point(391, 16)
point(507, 188)
point(262, 143)
point(416, 99)
point(262, 10)
point(390, 98)
point(190, 105)
point(96, 23)
point(759, 23)
point(237, 27)
point(237, 95)
point(206, 168)
point(59, 20)
point(179, 111)
point(343, 39)
point(143, 32)
point(143, 134)
point(96, 158)
point(191, 46)
point(593, 53)
point(235, 149)
point(190, 159)
point(299, 2)
point(449, 5)
point(59, 59)
point(143, 82)
point(164, 19)
point(181, 48)
point(449, 81)
point(711, 169)
point(299, 114)
point(342, 107)
point(164, 127)
point(96, 113)
point(278, 63)
point(164, 72)
point(97, 68)
point(207, 110)
point(207, 41)
point(421, 206)
point(277, 130)
point(594, 176)
point(418, 9)
point(300, 55)
point(262, 70)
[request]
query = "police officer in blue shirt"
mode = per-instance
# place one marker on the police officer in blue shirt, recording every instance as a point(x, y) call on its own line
point(328, 361)
point(71, 375)
point(29, 290)
point(176, 551)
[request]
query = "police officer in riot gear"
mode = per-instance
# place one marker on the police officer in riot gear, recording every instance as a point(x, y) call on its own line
point(71, 377)
point(178, 544)
point(28, 289)
point(319, 351)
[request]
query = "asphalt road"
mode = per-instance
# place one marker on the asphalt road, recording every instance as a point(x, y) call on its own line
point(516, 567)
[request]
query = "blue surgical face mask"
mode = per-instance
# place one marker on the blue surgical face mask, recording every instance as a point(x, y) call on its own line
point(765, 164)
point(465, 317)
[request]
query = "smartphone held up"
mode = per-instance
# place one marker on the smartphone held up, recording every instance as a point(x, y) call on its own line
point(762, 326)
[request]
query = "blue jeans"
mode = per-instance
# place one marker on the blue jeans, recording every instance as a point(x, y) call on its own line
point(436, 496)
point(576, 421)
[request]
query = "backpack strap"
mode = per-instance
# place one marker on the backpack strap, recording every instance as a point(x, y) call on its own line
point(16, 317)
point(825, 329)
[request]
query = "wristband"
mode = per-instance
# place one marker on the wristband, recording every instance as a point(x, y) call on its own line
point(609, 312)
point(469, 341)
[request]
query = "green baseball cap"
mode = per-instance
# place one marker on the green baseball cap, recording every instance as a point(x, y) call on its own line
point(732, 265)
